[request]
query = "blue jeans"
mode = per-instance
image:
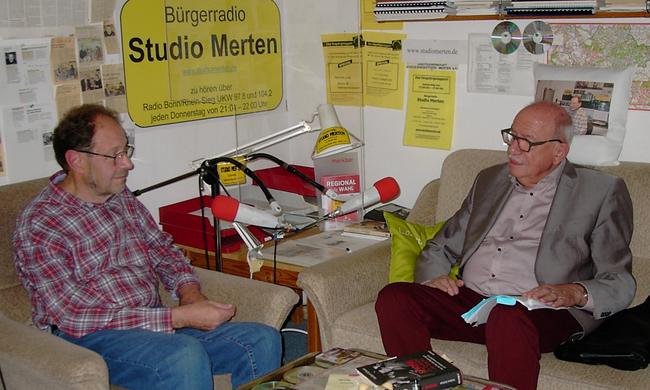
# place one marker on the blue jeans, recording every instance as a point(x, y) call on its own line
point(187, 359)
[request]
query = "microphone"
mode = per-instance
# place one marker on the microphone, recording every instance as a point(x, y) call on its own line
point(384, 190)
point(230, 209)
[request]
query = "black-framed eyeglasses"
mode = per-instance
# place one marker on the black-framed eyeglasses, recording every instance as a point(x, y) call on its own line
point(523, 143)
point(126, 153)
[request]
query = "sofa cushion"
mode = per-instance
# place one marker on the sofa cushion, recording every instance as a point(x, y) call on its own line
point(457, 176)
point(407, 241)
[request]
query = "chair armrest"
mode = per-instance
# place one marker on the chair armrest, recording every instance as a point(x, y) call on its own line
point(349, 281)
point(35, 359)
point(256, 301)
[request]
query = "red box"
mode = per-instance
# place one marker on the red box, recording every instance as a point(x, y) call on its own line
point(278, 178)
point(187, 229)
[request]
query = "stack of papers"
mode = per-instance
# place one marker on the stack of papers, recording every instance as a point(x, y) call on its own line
point(386, 10)
point(311, 250)
point(479, 314)
point(624, 6)
point(476, 7)
point(552, 7)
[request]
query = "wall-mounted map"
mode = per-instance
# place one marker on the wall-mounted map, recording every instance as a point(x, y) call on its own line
point(610, 45)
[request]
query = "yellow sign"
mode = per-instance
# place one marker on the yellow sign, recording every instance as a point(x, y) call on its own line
point(342, 54)
point(333, 136)
point(383, 70)
point(195, 59)
point(229, 174)
point(431, 106)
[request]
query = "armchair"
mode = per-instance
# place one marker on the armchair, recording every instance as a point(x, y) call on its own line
point(33, 359)
point(343, 291)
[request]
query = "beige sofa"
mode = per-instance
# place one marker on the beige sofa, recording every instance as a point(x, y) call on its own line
point(33, 359)
point(343, 291)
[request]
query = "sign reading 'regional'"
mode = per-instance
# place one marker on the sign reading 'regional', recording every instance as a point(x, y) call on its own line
point(195, 59)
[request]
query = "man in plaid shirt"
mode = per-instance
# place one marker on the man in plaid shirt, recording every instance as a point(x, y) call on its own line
point(90, 255)
point(578, 116)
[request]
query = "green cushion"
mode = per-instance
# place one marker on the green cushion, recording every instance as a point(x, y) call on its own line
point(407, 241)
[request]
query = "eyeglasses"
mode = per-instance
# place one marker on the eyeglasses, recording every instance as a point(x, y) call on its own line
point(126, 153)
point(523, 143)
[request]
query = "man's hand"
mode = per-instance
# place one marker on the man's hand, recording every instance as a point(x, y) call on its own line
point(204, 315)
point(190, 293)
point(446, 284)
point(558, 295)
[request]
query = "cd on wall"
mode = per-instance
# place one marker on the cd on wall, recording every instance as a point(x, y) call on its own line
point(506, 37)
point(536, 35)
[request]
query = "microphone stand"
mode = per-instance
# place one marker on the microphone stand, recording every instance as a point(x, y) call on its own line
point(208, 173)
point(211, 178)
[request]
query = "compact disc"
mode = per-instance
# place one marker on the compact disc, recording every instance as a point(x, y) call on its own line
point(506, 37)
point(536, 35)
point(273, 385)
point(300, 374)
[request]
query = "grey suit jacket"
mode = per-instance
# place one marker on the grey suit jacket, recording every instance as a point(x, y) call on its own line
point(586, 238)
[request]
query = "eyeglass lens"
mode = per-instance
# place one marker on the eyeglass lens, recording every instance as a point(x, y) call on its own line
point(522, 143)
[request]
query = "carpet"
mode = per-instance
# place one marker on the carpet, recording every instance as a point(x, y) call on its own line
point(294, 340)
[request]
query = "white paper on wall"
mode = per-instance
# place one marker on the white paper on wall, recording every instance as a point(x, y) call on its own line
point(492, 72)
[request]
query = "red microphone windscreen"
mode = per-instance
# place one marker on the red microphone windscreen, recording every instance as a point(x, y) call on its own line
point(387, 188)
point(224, 207)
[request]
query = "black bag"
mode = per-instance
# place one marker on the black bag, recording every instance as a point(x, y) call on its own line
point(622, 341)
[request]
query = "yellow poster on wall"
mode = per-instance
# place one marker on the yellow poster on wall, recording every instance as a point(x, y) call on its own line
point(431, 107)
point(195, 59)
point(383, 69)
point(342, 54)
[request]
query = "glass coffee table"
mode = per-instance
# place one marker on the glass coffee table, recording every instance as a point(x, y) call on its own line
point(312, 372)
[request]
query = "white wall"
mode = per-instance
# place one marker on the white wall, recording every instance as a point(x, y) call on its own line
point(166, 151)
point(477, 122)
point(479, 117)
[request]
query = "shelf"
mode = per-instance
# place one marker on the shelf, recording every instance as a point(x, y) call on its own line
point(598, 15)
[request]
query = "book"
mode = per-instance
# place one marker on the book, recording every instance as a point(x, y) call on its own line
point(367, 229)
point(377, 213)
point(335, 357)
point(555, 7)
point(478, 314)
point(412, 14)
point(410, 9)
point(417, 371)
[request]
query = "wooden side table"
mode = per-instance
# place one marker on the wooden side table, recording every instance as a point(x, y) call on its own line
point(285, 275)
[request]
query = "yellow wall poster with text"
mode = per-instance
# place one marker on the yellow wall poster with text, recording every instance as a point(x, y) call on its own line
point(195, 59)
point(383, 70)
point(342, 55)
point(431, 107)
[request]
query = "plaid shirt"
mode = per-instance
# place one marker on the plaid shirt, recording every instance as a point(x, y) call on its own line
point(92, 266)
point(580, 121)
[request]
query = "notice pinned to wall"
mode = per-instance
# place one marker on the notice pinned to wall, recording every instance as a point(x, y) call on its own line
point(195, 59)
point(492, 72)
point(342, 55)
point(383, 69)
point(430, 110)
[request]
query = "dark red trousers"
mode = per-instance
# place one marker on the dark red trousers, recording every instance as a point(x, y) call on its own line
point(410, 314)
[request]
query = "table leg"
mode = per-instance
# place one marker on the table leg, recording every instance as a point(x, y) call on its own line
point(313, 332)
